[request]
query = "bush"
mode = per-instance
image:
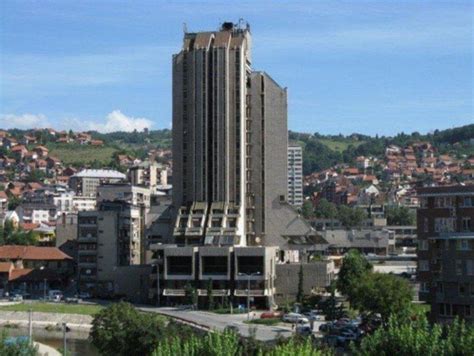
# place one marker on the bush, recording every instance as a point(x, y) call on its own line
point(418, 337)
point(17, 347)
point(120, 329)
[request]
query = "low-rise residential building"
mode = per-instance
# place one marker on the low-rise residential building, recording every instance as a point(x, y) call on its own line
point(86, 181)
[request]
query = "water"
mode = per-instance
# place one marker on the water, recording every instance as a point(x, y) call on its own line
point(77, 342)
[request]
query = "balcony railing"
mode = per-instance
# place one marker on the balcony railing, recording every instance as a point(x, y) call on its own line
point(215, 292)
point(174, 292)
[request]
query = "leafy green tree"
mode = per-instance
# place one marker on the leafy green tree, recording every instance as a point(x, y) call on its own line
point(210, 296)
point(300, 293)
point(400, 215)
point(190, 294)
point(354, 268)
point(326, 210)
point(383, 293)
point(121, 329)
point(13, 202)
point(418, 337)
point(351, 217)
point(307, 209)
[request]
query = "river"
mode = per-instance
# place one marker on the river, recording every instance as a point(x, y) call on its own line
point(77, 342)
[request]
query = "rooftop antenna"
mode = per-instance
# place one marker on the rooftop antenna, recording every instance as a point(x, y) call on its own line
point(185, 28)
point(241, 23)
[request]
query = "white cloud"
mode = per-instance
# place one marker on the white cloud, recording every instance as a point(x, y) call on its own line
point(11, 121)
point(117, 121)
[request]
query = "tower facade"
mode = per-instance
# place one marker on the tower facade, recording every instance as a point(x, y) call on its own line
point(230, 145)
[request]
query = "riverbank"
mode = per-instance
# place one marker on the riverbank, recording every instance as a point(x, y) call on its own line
point(76, 322)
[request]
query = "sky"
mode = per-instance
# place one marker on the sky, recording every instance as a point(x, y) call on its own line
point(375, 67)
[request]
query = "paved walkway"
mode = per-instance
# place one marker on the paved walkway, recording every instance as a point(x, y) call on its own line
point(219, 322)
point(45, 350)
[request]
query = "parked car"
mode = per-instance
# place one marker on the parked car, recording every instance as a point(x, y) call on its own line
point(313, 316)
point(303, 330)
point(270, 315)
point(55, 295)
point(295, 318)
point(84, 295)
point(16, 298)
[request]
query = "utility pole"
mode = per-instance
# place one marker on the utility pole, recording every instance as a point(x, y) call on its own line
point(158, 282)
point(30, 327)
point(64, 339)
point(44, 288)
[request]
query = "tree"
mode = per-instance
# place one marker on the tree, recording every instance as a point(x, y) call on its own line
point(354, 267)
point(210, 296)
point(121, 329)
point(190, 294)
point(381, 293)
point(307, 209)
point(351, 217)
point(300, 293)
point(418, 337)
point(400, 215)
point(326, 210)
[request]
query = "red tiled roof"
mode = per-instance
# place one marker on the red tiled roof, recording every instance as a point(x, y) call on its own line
point(32, 253)
point(5, 266)
point(27, 274)
point(19, 272)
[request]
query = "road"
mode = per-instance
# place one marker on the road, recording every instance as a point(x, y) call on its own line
point(220, 321)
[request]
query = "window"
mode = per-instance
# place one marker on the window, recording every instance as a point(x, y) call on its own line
point(466, 224)
point(423, 245)
point(443, 202)
point(462, 245)
point(467, 310)
point(458, 267)
point(468, 202)
point(470, 267)
point(423, 265)
point(439, 287)
point(462, 289)
point(425, 225)
point(444, 224)
point(424, 287)
point(445, 309)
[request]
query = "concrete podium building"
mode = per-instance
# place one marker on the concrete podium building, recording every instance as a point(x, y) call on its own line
point(230, 172)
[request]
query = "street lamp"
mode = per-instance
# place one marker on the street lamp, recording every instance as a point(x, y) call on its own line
point(248, 289)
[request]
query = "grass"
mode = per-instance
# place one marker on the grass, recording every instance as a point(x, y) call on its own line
point(268, 322)
point(60, 308)
point(83, 154)
point(339, 146)
point(227, 311)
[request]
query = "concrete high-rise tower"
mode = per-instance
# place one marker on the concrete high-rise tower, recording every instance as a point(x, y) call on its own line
point(230, 139)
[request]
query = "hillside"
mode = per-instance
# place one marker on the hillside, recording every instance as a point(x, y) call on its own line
point(320, 151)
point(324, 151)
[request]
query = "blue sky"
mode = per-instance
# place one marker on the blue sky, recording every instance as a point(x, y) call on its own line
point(377, 67)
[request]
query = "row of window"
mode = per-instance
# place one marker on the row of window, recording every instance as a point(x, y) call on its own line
point(448, 202)
point(448, 224)
point(454, 310)
point(468, 270)
point(461, 245)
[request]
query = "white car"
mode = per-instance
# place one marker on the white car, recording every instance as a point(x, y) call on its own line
point(295, 318)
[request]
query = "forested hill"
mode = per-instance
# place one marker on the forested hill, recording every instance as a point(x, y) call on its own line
point(320, 151)
point(324, 151)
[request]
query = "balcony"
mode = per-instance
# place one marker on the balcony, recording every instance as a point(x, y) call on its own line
point(87, 252)
point(215, 292)
point(174, 292)
point(253, 292)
